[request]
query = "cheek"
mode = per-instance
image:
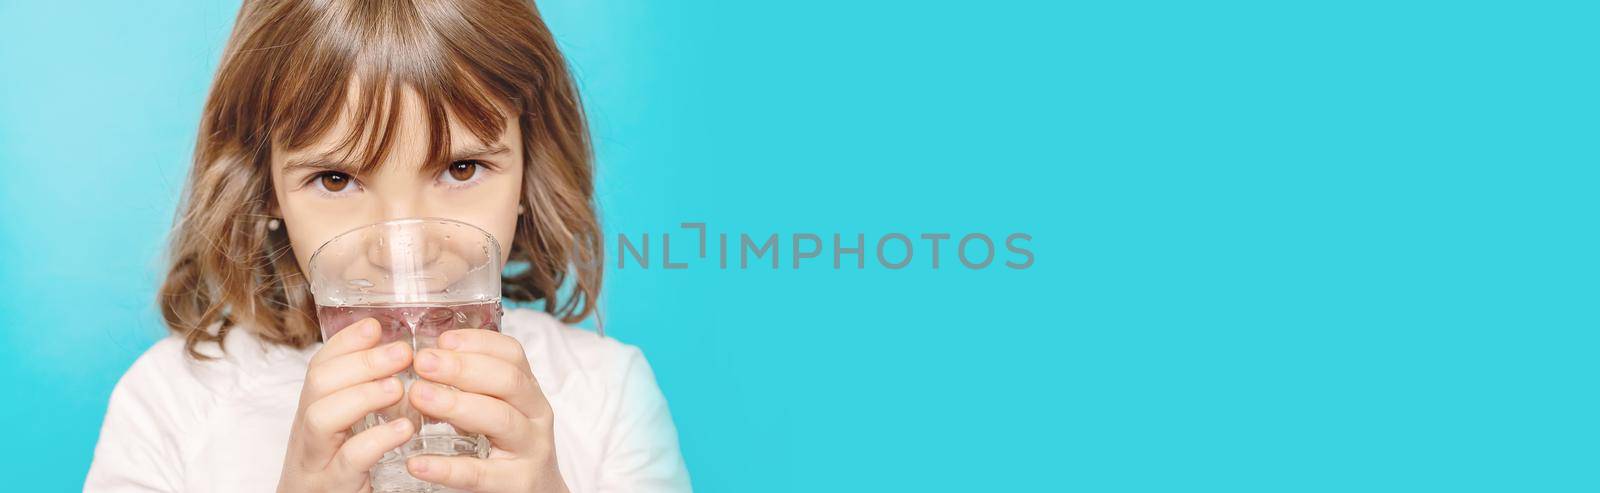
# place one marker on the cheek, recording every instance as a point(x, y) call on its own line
point(297, 226)
point(503, 222)
point(310, 224)
point(491, 206)
point(307, 233)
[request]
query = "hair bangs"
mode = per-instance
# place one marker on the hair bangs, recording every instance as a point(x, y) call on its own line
point(360, 74)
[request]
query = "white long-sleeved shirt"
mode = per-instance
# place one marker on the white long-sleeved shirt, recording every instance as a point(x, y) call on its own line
point(178, 424)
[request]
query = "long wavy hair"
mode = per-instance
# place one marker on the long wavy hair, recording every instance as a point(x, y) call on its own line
point(283, 78)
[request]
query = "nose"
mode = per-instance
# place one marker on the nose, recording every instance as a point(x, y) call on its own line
point(404, 250)
point(398, 203)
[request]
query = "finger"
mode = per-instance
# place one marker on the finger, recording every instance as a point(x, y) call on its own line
point(327, 421)
point(487, 375)
point(469, 473)
point(476, 413)
point(350, 369)
point(488, 342)
point(354, 337)
point(363, 451)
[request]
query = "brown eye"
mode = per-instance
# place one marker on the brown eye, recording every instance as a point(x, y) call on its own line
point(463, 170)
point(334, 182)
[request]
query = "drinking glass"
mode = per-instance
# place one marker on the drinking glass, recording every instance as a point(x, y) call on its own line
point(419, 278)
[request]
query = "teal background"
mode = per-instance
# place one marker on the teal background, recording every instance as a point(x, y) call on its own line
point(1281, 246)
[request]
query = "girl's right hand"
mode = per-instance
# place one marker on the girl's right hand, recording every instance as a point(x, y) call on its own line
point(347, 379)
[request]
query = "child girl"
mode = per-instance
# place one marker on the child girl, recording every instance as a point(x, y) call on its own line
point(326, 115)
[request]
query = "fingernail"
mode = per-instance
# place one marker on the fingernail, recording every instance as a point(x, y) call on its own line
point(399, 424)
point(448, 341)
point(391, 385)
point(371, 327)
point(420, 464)
point(397, 350)
point(425, 392)
point(427, 362)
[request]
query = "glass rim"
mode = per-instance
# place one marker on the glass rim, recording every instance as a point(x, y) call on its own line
point(393, 222)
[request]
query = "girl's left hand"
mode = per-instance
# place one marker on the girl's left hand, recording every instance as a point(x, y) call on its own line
point(498, 397)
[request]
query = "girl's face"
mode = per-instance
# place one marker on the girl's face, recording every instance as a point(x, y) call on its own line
point(319, 197)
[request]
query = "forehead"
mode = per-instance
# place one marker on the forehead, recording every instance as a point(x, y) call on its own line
point(373, 124)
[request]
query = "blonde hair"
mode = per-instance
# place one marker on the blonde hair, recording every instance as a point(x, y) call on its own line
point(283, 78)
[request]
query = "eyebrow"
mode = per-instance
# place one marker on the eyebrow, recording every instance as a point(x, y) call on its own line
point(328, 161)
point(477, 151)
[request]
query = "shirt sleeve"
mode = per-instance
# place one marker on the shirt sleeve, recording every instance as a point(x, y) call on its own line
point(642, 451)
point(138, 447)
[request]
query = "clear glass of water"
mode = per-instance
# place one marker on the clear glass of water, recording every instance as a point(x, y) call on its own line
point(419, 278)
